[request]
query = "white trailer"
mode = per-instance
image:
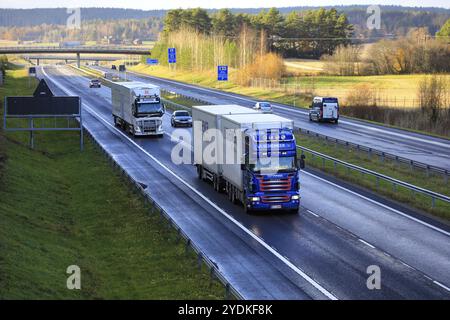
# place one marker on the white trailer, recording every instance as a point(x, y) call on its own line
point(210, 117)
point(243, 141)
point(137, 108)
point(242, 123)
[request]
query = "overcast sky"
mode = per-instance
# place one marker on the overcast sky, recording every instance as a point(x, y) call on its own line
point(169, 4)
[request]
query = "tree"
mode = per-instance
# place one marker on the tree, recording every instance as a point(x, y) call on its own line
point(223, 23)
point(445, 30)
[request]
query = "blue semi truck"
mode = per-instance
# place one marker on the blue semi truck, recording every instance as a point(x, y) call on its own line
point(250, 156)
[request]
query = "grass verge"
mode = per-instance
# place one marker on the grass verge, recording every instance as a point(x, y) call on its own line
point(432, 181)
point(62, 207)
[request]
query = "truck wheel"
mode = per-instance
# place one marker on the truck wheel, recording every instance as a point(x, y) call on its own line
point(336, 121)
point(247, 210)
point(234, 199)
point(199, 172)
point(216, 183)
point(310, 119)
point(229, 192)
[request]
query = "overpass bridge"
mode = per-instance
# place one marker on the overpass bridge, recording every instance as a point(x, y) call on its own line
point(67, 58)
point(78, 50)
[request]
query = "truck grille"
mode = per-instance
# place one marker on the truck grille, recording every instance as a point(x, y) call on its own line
point(149, 125)
point(275, 199)
point(280, 184)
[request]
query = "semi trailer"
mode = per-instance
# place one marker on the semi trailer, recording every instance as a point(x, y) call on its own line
point(250, 156)
point(137, 108)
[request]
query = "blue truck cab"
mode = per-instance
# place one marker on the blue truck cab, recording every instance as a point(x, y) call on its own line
point(271, 170)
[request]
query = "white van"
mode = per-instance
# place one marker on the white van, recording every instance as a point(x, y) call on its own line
point(324, 109)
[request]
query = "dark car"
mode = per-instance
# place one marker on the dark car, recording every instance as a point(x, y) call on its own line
point(181, 118)
point(95, 83)
point(113, 67)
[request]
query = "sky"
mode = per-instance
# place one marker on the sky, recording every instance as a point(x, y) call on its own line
point(170, 4)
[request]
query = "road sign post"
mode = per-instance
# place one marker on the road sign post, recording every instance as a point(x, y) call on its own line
point(172, 56)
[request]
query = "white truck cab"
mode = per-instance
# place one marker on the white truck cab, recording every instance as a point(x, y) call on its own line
point(137, 108)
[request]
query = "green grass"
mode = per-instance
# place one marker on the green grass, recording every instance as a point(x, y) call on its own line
point(60, 207)
point(433, 181)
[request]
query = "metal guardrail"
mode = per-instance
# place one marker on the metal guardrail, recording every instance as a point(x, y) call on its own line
point(383, 155)
point(434, 195)
point(371, 151)
point(230, 291)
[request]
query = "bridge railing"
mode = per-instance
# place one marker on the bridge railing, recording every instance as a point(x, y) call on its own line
point(25, 49)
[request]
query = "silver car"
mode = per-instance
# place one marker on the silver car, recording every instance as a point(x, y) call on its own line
point(264, 107)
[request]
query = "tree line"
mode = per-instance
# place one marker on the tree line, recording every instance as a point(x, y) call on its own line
point(310, 33)
point(94, 30)
point(418, 52)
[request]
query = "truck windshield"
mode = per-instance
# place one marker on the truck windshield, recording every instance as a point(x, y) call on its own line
point(149, 108)
point(276, 164)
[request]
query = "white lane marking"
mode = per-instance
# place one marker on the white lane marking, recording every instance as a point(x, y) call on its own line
point(445, 145)
point(380, 204)
point(314, 214)
point(441, 285)
point(407, 265)
point(366, 243)
point(211, 203)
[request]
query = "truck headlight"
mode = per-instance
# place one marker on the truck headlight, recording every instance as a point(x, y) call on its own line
point(295, 197)
point(137, 129)
point(255, 199)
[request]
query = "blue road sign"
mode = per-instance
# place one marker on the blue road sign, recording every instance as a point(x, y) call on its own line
point(152, 61)
point(222, 73)
point(172, 55)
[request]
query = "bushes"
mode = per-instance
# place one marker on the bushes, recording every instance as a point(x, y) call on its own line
point(433, 97)
point(417, 53)
point(268, 66)
point(433, 116)
point(344, 61)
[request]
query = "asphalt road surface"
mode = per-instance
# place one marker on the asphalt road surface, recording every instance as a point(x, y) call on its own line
point(322, 252)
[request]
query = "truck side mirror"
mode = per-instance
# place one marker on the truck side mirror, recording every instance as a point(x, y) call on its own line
point(242, 166)
point(301, 162)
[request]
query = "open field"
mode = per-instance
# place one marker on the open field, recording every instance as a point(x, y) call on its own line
point(391, 90)
point(62, 207)
point(304, 66)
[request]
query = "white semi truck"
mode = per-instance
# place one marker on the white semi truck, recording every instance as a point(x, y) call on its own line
point(137, 108)
point(255, 158)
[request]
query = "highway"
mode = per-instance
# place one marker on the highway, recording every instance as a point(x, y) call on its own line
point(418, 147)
point(321, 253)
